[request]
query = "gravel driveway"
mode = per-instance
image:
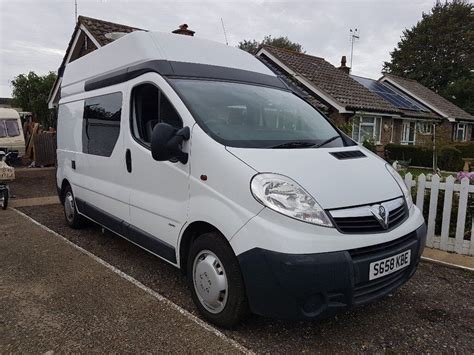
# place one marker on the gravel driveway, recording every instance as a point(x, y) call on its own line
point(433, 312)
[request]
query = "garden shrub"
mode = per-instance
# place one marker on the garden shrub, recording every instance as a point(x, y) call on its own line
point(417, 155)
point(467, 149)
point(450, 158)
point(370, 145)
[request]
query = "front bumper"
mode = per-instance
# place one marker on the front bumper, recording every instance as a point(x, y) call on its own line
point(313, 286)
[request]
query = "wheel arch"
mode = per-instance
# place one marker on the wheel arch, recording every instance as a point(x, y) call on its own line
point(191, 232)
point(64, 183)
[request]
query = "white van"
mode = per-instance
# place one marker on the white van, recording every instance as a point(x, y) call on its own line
point(198, 153)
point(11, 132)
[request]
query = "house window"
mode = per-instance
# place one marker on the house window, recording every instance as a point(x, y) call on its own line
point(460, 132)
point(408, 132)
point(425, 127)
point(364, 128)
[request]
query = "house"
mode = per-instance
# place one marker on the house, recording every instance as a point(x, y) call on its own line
point(350, 105)
point(388, 110)
point(417, 121)
point(89, 34)
point(456, 126)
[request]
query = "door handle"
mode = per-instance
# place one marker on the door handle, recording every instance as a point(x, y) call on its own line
point(128, 160)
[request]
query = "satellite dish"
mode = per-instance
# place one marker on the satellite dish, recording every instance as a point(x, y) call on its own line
point(115, 35)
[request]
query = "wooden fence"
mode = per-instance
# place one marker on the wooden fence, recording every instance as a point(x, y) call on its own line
point(448, 208)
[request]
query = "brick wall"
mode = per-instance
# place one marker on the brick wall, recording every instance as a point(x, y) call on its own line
point(386, 130)
point(444, 133)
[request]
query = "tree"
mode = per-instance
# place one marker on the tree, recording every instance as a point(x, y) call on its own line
point(251, 46)
point(439, 52)
point(31, 91)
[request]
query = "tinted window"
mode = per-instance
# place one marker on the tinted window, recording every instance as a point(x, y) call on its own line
point(250, 116)
point(3, 129)
point(12, 128)
point(101, 124)
point(9, 128)
point(151, 106)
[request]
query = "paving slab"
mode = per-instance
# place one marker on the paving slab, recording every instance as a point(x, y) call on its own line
point(34, 201)
point(55, 298)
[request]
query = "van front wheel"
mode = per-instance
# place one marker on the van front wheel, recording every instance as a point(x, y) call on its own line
point(215, 281)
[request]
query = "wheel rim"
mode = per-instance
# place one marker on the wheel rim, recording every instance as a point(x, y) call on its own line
point(69, 208)
point(210, 281)
point(2, 199)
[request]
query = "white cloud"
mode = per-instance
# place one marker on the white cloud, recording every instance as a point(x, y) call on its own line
point(35, 33)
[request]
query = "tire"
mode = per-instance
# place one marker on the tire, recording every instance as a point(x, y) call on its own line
point(213, 266)
point(73, 218)
point(4, 196)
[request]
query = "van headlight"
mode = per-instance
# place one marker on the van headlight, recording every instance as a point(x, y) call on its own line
point(401, 183)
point(285, 196)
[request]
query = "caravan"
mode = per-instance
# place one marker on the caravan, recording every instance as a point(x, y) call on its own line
point(198, 153)
point(11, 132)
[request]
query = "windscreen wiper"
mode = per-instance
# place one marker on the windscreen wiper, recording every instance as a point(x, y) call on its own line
point(293, 144)
point(326, 141)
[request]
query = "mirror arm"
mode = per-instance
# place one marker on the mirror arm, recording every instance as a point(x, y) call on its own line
point(180, 136)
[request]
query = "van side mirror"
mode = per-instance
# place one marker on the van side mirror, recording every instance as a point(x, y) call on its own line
point(166, 142)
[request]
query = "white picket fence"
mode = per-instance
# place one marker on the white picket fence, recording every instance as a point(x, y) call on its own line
point(452, 190)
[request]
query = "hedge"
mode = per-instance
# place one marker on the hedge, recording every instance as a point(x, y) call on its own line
point(417, 155)
point(449, 156)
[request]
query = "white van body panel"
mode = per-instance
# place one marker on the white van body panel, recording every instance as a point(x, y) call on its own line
point(267, 231)
point(16, 143)
point(332, 182)
point(159, 193)
point(224, 199)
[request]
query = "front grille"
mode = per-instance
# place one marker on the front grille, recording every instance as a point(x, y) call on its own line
point(377, 248)
point(368, 291)
point(363, 221)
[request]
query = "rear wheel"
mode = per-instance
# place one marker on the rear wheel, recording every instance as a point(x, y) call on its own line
point(73, 218)
point(216, 282)
point(4, 196)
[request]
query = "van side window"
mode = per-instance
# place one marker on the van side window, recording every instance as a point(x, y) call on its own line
point(149, 107)
point(101, 124)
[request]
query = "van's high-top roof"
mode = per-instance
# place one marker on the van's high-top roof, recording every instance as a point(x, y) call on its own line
point(167, 54)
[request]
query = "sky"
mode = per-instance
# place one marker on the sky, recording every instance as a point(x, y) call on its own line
point(34, 33)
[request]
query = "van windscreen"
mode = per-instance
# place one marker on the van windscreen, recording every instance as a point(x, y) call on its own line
point(251, 116)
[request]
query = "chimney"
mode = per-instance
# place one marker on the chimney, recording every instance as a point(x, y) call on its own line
point(183, 30)
point(343, 66)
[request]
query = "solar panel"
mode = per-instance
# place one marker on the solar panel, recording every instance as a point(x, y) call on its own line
point(390, 94)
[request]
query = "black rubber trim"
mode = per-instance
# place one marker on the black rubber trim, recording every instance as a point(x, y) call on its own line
point(127, 231)
point(183, 70)
point(315, 286)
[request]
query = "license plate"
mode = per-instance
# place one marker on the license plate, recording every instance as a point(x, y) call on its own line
point(389, 265)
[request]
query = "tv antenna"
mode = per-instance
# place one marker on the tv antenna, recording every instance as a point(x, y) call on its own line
point(225, 34)
point(354, 37)
point(75, 10)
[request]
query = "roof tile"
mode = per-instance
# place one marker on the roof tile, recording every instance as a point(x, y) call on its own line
point(413, 87)
point(332, 81)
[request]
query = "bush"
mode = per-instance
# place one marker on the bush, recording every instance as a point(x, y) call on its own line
point(450, 158)
point(370, 145)
point(418, 155)
point(467, 149)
